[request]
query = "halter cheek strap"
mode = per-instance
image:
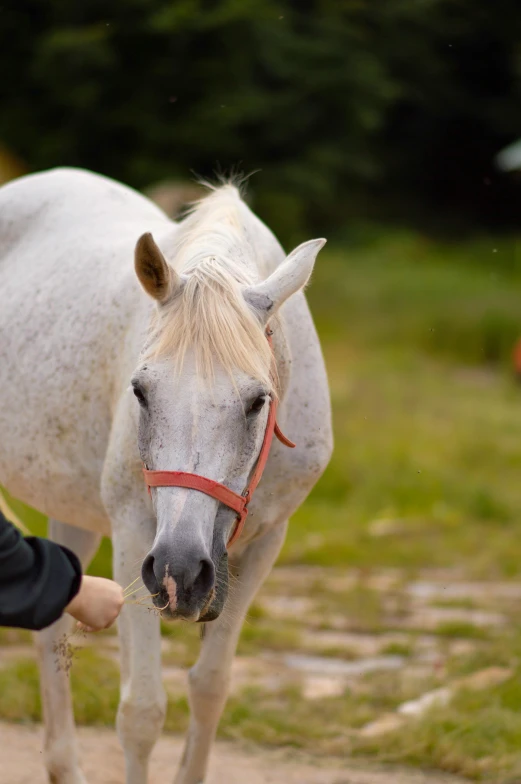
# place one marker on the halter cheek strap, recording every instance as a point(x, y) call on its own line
point(239, 503)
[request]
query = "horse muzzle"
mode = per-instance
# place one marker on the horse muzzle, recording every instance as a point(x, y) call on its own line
point(181, 583)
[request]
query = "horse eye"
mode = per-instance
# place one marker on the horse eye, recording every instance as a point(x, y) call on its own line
point(140, 396)
point(257, 405)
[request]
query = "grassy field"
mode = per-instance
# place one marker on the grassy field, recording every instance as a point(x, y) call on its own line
point(418, 341)
point(418, 338)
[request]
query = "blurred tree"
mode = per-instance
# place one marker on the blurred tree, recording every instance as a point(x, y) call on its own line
point(344, 104)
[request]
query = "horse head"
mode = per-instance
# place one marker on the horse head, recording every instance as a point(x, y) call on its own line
point(204, 385)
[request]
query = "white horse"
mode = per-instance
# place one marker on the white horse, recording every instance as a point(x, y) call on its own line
point(98, 377)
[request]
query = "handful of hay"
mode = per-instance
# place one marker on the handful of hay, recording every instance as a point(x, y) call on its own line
point(66, 647)
point(65, 651)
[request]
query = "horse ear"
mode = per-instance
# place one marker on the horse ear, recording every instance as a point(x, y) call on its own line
point(156, 276)
point(291, 276)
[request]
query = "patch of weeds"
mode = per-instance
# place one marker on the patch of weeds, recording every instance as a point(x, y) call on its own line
point(362, 607)
point(95, 688)
point(94, 683)
point(286, 718)
point(397, 649)
point(384, 691)
point(259, 632)
point(177, 713)
point(462, 630)
point(256, 612)
point(478, 736)
point(180, 654)
point(502, 651)
point(323, 726)
point(455, 604)
point(179, 630)
point(20, 692)
point(15, 636)
point(184, 643)
point(478, 659)
point(335, 652)
point(266, 634)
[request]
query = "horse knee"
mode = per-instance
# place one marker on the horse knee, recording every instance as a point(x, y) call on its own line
point(62, 763)
point(139, 725)
point(208, 691)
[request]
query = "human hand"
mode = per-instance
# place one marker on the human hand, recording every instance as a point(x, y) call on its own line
point(97, 604)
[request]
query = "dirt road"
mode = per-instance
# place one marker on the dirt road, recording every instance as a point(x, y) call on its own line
point(103, 763)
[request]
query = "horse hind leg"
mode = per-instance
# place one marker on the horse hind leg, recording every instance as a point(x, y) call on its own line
point(60, 745)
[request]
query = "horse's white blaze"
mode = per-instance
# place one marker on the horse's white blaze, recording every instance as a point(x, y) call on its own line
point(76, 326)
point(171, 588)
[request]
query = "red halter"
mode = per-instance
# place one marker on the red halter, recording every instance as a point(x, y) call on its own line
point(239, 503)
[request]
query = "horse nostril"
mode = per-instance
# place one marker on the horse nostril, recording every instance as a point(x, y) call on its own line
point(147, 573)
point(204, 578)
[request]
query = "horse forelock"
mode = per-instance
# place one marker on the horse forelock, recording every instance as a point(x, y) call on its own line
point(209, 314)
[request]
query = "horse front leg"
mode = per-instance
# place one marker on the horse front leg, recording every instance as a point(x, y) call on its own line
point(209, 678)
point(60, 746)
point(142, 706)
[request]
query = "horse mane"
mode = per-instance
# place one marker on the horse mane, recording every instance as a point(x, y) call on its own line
point(209, 314)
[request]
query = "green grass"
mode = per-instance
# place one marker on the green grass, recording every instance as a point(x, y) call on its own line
point(184, 641)
point(95, 689)
point(263, 634)
point(478, 735)
point(277, 717)
point(268, 716)
point(417, 337)
point(501, 650)
point(462, 629)
point(20, 691)
point(94, 686)
point(284, 718)
point(456, 604)
point(14, 636)
point(427, 430)
point(362, 606)
point(397, 649)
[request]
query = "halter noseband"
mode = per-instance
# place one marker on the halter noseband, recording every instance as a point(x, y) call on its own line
point(239, 503)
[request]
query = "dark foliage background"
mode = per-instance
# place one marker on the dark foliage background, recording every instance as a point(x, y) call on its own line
point(351, 108)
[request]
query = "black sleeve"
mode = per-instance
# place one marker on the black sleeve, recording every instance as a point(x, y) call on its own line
point(38, 578)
